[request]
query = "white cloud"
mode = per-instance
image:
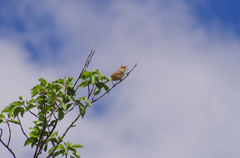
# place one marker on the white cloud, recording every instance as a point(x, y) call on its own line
point(18, 76)
point(182, 99)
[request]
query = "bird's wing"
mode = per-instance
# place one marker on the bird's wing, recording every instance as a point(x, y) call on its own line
point(116, 73)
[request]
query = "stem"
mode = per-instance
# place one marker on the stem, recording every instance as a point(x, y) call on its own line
point(10, 150)
point(22, 128)
point(38, 147)
point(31, 111)
point(89, 58)
point(45, 141)
point(71, 125)
point(10, 134)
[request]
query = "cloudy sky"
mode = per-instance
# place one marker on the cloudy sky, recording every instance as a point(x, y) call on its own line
point(182, 101)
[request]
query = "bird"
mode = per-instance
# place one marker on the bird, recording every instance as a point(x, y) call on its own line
point(119, 74)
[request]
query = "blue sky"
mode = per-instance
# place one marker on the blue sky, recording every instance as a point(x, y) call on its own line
point(182, 100)
point(224, 12)
point(206, 12)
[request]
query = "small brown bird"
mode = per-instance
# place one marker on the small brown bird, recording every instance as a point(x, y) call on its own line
point(119, 74)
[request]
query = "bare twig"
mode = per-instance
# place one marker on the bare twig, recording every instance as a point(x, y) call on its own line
point(10, 133)
point(89, 88)
point(91, 91)
point(114, 85)
point(89, 58)
point(10, 150)
point(22, 128)
point(31, 111)
point(70, 109)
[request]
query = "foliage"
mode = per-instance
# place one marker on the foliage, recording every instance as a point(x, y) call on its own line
point(50, 102)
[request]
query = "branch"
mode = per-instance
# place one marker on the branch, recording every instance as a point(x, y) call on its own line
point(22, 128)
point(71, 125)
point(94, 100)
point(10, 133)
point(89, 58)
point(46, 139)
point(38, 147)
point(91, 91)
point(10, 150)
point(31, 111)
point(70, 109)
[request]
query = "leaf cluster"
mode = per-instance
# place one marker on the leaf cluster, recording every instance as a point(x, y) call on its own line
point(50, 102)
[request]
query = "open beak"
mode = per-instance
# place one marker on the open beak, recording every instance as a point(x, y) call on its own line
point(125, 67)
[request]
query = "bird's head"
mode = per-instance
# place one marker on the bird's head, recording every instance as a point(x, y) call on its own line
point(124, 68)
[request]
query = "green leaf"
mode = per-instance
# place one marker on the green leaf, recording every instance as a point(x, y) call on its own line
point(13, 107)
point(28, 141)
point(92, 79)
point(53, 141)
point(16, 103)
point(99, 85)
point(85, 75)
point(77, 146)
point(2, 116)
point(51, 149)
point(64, 106)
point(82, 109)
point(38, 123)
point(45, 147)
point(69, 105)
point(86, 101)
point(60, 139)
point(60, 147)
point(36, 90)
point(97, 78)
point(95, 71)
point(69, 79)
point(31, 101)
point(68, 145)
point(11, 110)
point(30, 106)
point(60, 81)
point(105, 86)
point(76, 154)
point(6, 109)
point(70, 91)
point(84, 83)
point(43, 81)
point(17, 110)
point(20, 98)
point(56, 153)
point(34, 134)
point(54, 134)
point(14, 121)
point(60, 114)
point(97, 91)
point(58, 88)
point(109, 78)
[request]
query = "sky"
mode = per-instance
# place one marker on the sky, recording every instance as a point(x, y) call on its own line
point(181, 101)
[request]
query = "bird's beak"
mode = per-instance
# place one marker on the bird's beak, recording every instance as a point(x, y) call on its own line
point(125, 67)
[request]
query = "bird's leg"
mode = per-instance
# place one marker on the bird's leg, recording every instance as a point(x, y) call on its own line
point(112, 83)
